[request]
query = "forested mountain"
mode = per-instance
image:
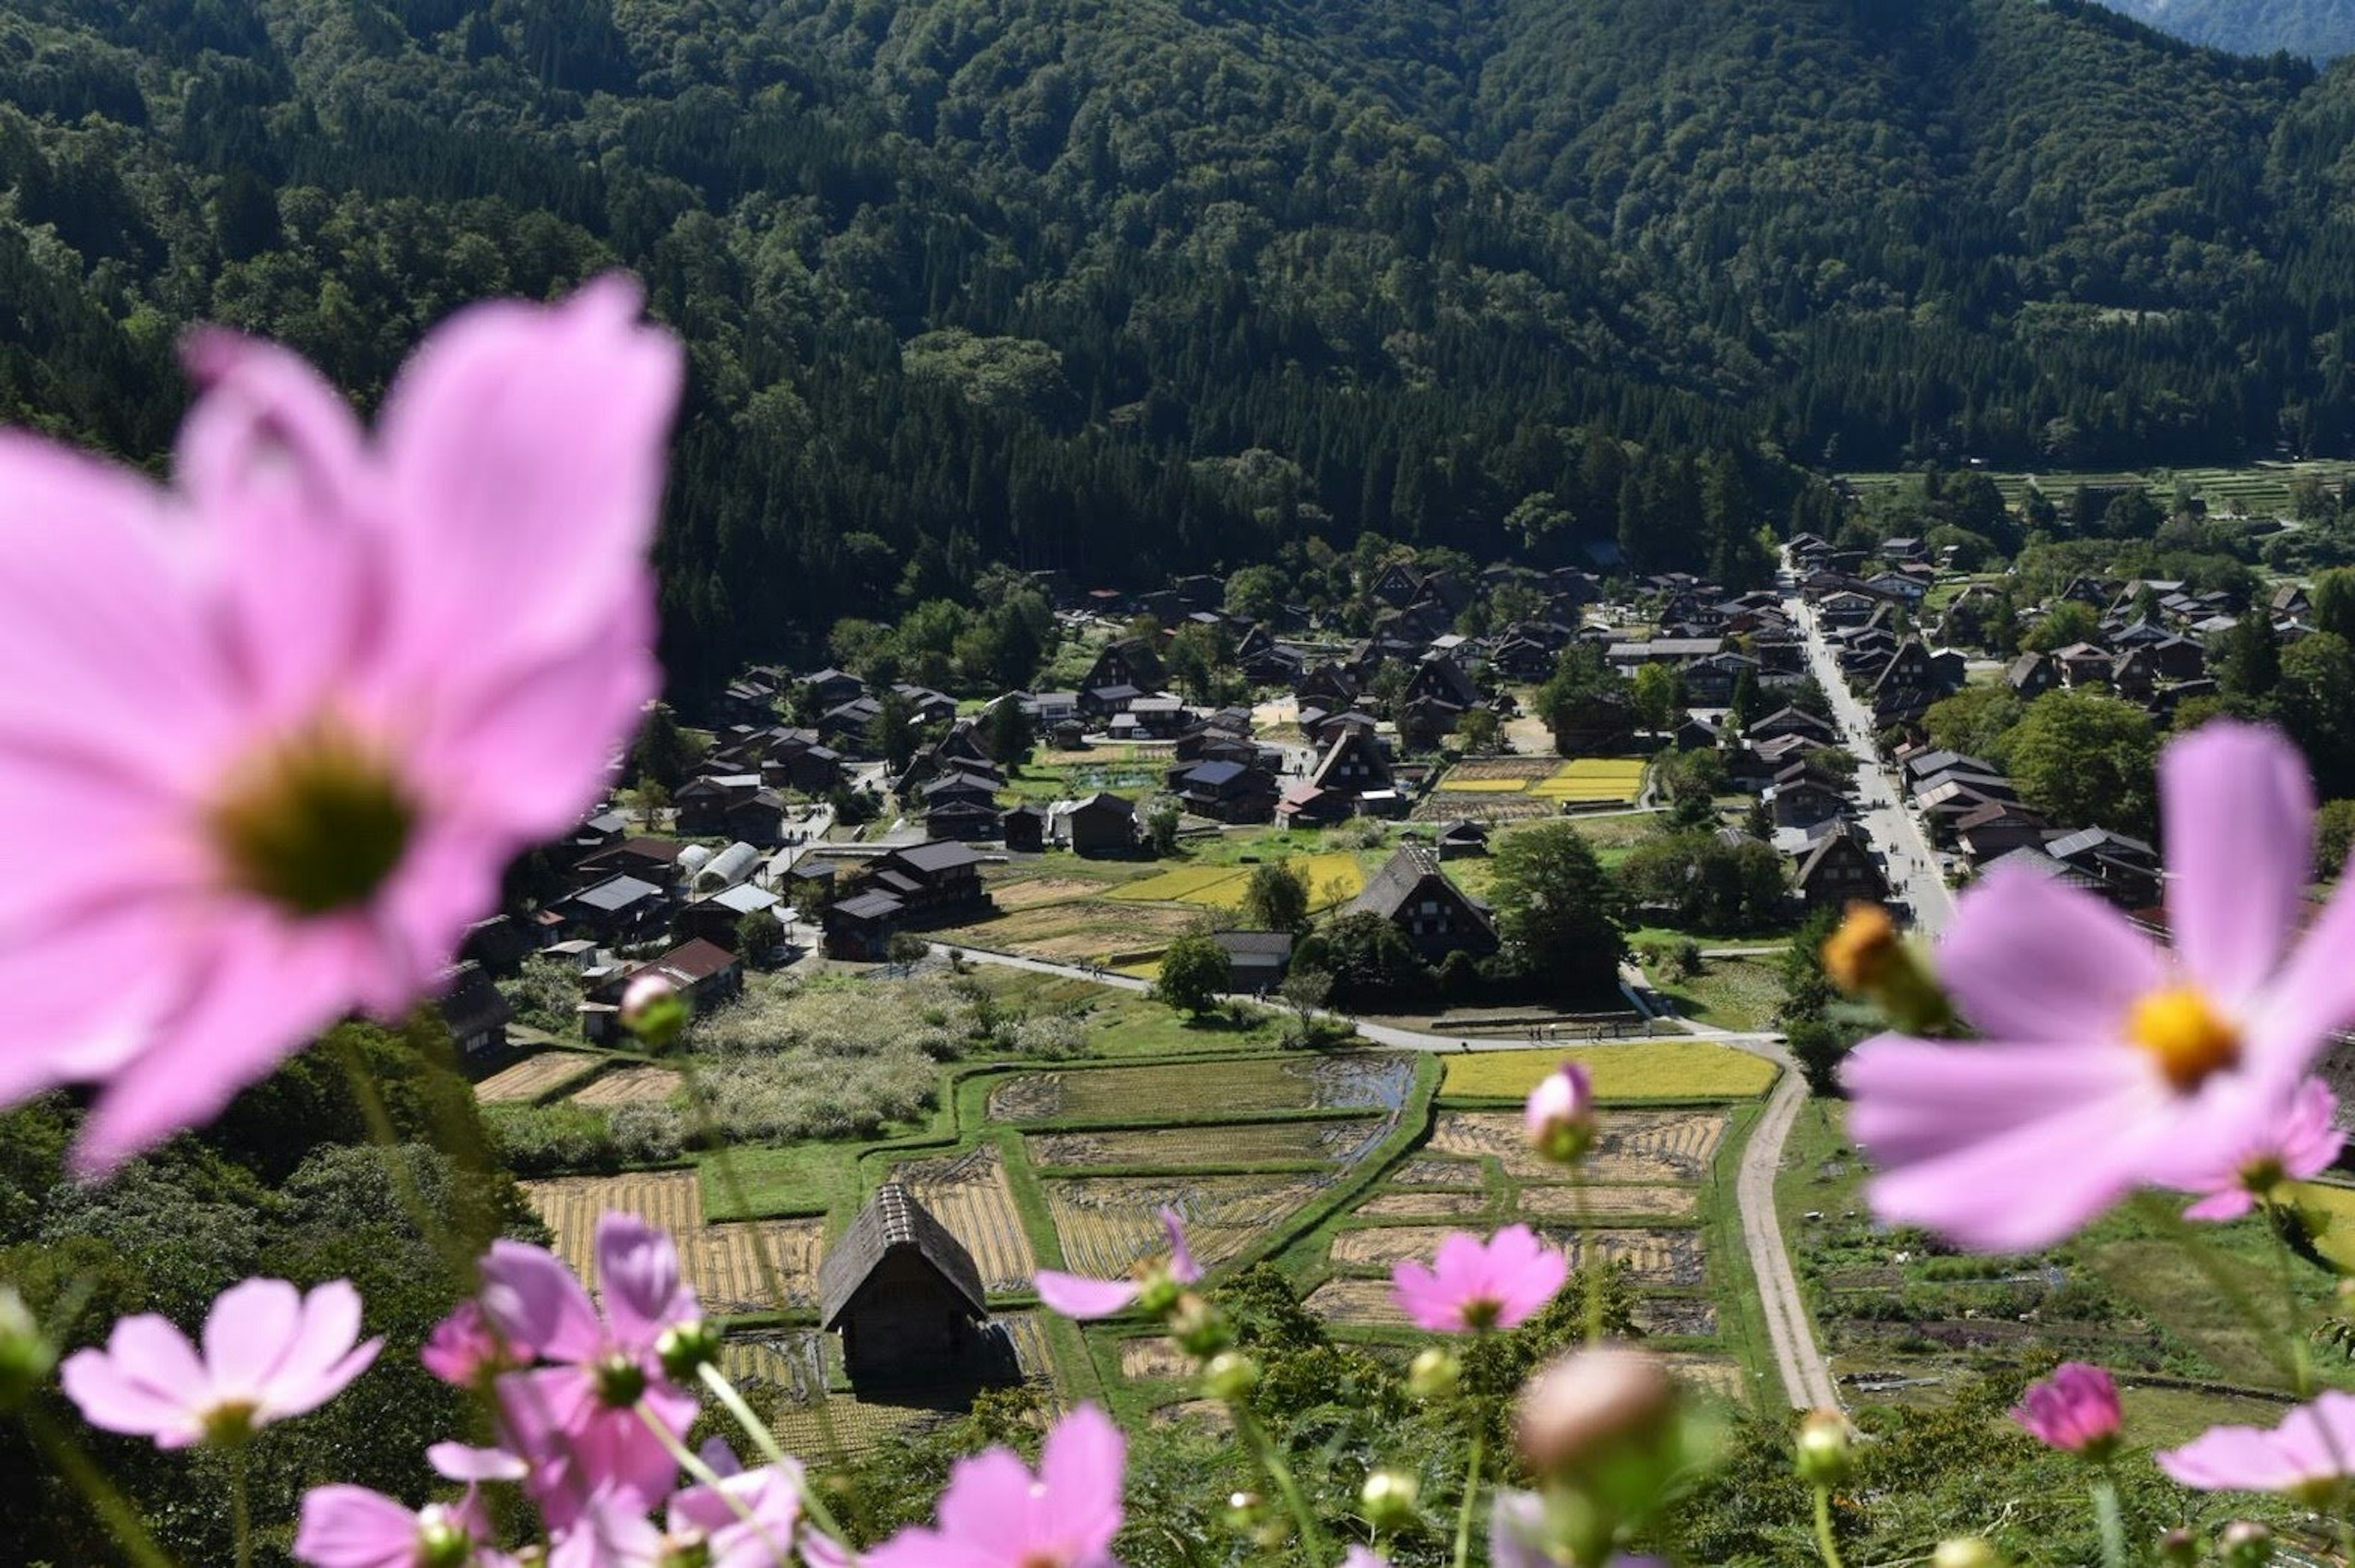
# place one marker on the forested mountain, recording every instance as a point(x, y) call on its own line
point(2315, 29)
point(1122, 286)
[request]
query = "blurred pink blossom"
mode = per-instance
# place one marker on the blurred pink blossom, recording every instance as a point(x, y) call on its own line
point(2108, 1062)
point(1076, 1295)
point(2302, 1144)
point(464, 1348)
point(2074, 1409)
point(270, 1352)
point(2309, 1452)
point(269, 737)
point(996, 1514)
point(352, 1527)
point(1473, 1285)
point(1561, 1114)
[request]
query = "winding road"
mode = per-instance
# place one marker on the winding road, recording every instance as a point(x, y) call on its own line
point(1790, 1327)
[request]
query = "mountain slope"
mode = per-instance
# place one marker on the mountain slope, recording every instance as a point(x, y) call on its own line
point(2315, 29)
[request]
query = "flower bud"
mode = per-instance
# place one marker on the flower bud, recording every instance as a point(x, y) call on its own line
point(1823, 1455)
point(1158, 1294)
point(443, 1542)
point(1197, 1326)
point(653, 1011)
point(1591, 1406)
point(685, 1348)
point(1560, 1115)
point(1968, 1552)
point(1866, 957)
point(27, 1357)
point(1388, 1501)
point(2245, 1543)
point(1435, 1374)
point(1229, 1375)
point(2179, 1548)
point(620, 1382)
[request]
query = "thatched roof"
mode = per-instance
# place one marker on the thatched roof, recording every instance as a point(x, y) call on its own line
point(891, 1221)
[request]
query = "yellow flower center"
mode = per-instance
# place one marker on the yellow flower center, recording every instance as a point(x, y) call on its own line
point(2188, 1038)
point(314, 823)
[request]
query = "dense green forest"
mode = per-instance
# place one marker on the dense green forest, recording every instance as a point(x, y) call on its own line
point(2315, 29)
point(1126, 287)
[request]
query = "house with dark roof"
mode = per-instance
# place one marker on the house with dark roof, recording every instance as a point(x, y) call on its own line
point(617, 909)
point(1463, 839)
point(1355, 763)
point(1227, 792)
point(1837, 869)
point(1256, 959)
point(1434, 915)
point(904, 1295)
point(1127, 661)
point(1793, 722)
point(1803, 795)
point(1025, 827)
point(475, 1011)
point(910, 888)
point(1102, 823)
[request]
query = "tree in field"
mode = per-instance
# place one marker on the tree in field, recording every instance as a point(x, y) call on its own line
point(2334, 837)
point(1194, 971)
point(653, 800)
point(1659, 695)
point(1161, 831)
point(1741, 709)
point(1010, 737)
point(891, 732)
point(2248, 663)
point(2314, 700)
point(2085, 760)
point(2068, 622)
point(2334, 602)
point(1276, 897)
point(1561, 914)
point(664, 752)
point(1975, 720)
point(758, 935)
point(1478, 729)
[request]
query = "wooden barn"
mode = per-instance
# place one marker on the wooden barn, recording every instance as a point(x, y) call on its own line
point(904, 1295)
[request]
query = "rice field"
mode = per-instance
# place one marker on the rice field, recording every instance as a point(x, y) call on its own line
point(1657, 1203)
point(1332, 877)
point(1679, 1068)
point(1106, 1223)
point(1677, 1257)
point(631, 1085)
point(1424, 1171)
point(1634, 1146)
point(1424, 1205)
point(1152, 1093)
point(536, 1077)
point(967, 1193)
point(1090, 930)
point(1183, 1147)
point(1523, 771)
point(1158, 1357)
point(723, 1263)
point(1586, 780)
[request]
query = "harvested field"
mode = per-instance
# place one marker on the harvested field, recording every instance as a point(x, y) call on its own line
point(1082, 930)
point(1635, 1147)
point(1424, 1205)
point(1682, 1316)
point(1220, 885)
point(629, 1086)
point(1719, 1377)
point(1446, 804)
point(1456, 784)
point(1028, 892)
point(1366, 1302)
point(1524, 770)
point(535, 1076)
point(1254, 1083)
point(1108, 1223)
point(1424, 1171)
point(1608, 1203)
point(1207, 1414)
point(1153, 1357)
point(721, 1261)
point(1656, 1257)
point(1680, 1068)
point(1182, 1149)
point(967, 1193)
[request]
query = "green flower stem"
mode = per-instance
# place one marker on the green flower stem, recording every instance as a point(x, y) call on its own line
point(118, 1513)
point(1305, 1518)
point(692, 1463)
point(1825, 1544)
point(456, 1257)
point(2163, 1215)
point(2293, 1313)
point(240, 1511)
point(2109, 1521)
point(763, 1439)
point(1471, 1497)
point(1593, 1267)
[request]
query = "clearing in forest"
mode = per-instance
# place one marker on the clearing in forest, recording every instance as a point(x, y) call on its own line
point(535, 1077)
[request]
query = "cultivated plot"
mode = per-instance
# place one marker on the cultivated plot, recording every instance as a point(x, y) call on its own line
point(1663, 1068)
point(535, 1077)
point(967, 1193)
point(629, 1086)
point(1424, 1205)
point(1654, 1257)
point(1106, 1223)
point(1652, 1203)
point(723, 1263)
point(1185, 1148)
point(1593, 780)
point(1635, 1146)
point(1424, 1171)
point(1158, 1090)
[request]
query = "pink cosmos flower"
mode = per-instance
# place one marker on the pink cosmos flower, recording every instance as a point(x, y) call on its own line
point(2109, 1063)
point(2310, 1452)
point(352, 1527)
point(1076, 1295)
point(270, 1352)
point(2302, 1144)
point(1474, 1287)
point(746, 1521)
point(463, 1349)
point(577, 1421)
point(270, 736)
point(1517, 1535)
point(996, 1514)
point(2075, 1409)
point(1561, 1114)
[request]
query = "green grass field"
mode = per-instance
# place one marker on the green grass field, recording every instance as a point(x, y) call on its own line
point(1652, 1069)
point(1731, 993)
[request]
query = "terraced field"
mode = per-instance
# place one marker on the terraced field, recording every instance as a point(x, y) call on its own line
point(536, 1077)
point(1332, 877)
point(723, 1263)
point(1424, 1205)
point(1180, 1148)
point(629, 1086)
point(1681, 1068)
point(1656, 1257)
point(1144, 1094)
point(1424, 1171)
point(1635, 1147)
point(1606, 1202)
point(967, 1193)
point(1107, 1222)
point(1591, 779)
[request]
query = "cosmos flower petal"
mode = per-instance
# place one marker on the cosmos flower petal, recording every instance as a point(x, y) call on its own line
point(1914, 1099)
point(637, 1269)
point(2022, 1189)
point(2313, 994)
point(252, 1328)
point(2240, 851)
point(1076, 1295)
point(1182, 1266)
point(352, 1527)
point(2029, 959)
point(535, 1303)
point(1080, 1466)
